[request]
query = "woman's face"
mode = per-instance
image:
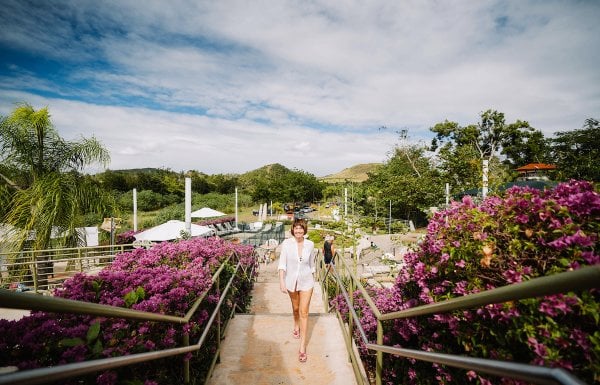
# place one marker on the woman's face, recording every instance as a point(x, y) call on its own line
point(298, 231)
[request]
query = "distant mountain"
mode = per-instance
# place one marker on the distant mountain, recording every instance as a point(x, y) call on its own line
point(148, 170)
point(357, 173)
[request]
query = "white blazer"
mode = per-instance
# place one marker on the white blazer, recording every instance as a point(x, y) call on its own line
point(298, 274)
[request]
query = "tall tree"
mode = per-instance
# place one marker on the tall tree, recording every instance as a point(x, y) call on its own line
point(280, 184)
point(41, 174)
point(576, 153)
point(410, 180)
point(523, 144)
point(461, 150)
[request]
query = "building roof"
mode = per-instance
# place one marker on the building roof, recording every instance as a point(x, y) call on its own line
point(536, 166)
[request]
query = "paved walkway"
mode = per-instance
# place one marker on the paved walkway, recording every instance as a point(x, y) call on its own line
point(259, 348)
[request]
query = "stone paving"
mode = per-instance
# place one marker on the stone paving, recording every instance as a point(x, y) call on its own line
point(259, 348)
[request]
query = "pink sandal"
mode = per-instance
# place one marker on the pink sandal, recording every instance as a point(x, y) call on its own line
point(302, 357)
point(296, 334)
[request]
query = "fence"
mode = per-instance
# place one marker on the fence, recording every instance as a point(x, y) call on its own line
point(43, 270)
point(346, 283)
point(214, 326)
point(261, 236)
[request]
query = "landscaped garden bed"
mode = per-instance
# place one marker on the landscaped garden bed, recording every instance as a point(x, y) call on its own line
point(166, 279)
point(472, 247)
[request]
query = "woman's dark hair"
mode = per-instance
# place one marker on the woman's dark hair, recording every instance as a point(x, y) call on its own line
point(299, 222)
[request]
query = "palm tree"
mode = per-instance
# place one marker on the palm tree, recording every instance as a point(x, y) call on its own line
point(41, 185)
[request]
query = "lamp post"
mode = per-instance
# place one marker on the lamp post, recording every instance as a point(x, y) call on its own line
point(188, 206)
point(390, 220)
point(135, 224)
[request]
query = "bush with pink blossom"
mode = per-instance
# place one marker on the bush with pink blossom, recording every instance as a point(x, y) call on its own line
point(469, 248)
point(215, 221)
point(126, 237)
point(165, 279)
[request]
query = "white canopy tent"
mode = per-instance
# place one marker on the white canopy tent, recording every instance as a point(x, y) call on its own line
point(207, 212)
point(171, 230)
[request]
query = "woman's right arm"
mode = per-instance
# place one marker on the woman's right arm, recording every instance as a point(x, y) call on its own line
point(282, 268)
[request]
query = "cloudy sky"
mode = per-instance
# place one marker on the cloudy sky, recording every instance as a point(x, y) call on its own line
point(229, 86)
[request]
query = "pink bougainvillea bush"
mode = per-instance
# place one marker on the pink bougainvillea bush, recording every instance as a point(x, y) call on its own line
point(126, 237)
point(215, 221)
point(469, 248)
point(165, 279)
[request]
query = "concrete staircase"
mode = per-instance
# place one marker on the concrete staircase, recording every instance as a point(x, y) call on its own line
point(259, 348)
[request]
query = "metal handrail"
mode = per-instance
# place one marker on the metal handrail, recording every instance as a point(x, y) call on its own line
point(61, 372)
point(36, 269)
point(66, 250)
point(13, 300)
point(582, 279)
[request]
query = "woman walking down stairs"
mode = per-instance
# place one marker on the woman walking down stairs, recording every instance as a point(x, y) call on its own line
point(259, 348)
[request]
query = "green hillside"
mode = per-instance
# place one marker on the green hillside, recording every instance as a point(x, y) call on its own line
point(357, 173)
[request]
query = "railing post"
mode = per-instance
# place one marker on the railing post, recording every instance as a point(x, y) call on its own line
point(34, 270)
point(79, 258)
point(325, 270)
point(217, 282)
point(351, 290)
point(379, 356)
point(186, 362)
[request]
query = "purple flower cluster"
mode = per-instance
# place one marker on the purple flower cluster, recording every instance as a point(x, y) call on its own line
point(126, 237)
point(470, 248)
point(165, 279)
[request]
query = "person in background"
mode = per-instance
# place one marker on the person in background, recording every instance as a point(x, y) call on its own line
point(328, 250)
point(296, 278)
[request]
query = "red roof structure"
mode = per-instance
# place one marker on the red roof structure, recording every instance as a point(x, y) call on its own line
point(534, 171)
point(536, 166)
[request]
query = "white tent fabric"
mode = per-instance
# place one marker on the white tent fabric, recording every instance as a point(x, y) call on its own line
point(207, 212)
point(88, 236)
point(171, 230)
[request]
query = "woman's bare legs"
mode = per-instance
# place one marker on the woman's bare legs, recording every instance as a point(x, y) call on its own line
point(304, 304)
point(295, 298)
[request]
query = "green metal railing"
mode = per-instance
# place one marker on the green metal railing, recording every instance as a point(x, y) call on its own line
point(583, 279)
point(9, 299)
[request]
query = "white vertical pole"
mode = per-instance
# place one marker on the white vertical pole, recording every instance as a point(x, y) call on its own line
point(352, 199)
point(345, 202)
point(484, 191)
point(447, 194)
point(188, 205)
point(390, 220)
point(236, 208)
point(134, 209)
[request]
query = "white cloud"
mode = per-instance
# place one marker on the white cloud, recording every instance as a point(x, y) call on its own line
point(139, 138)
point(229, 86)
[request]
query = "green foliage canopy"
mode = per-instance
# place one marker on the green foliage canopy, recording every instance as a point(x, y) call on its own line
point(41, 176)
point(462, 149)
point(577, 152)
